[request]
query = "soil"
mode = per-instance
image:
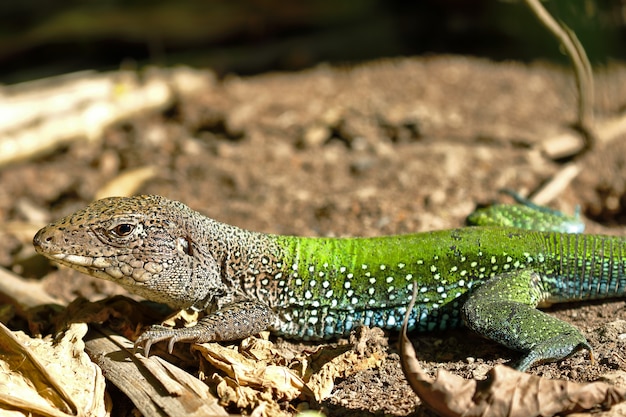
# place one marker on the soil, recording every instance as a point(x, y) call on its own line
point(388, 147)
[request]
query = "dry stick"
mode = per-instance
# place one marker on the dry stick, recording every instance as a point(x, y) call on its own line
point(415, 376)
point(580, 62)
point(155, 387)
point(22, 293)
point(557, 184)
point(584, 85)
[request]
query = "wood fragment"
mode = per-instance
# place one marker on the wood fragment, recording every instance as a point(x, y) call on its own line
point(156, 387)
point(22, 293)
point(37, 117)
point(563, 145)
point(127, 183)
point(557, 184)
point(566, 145)
point(22, 231)
point(569, 144)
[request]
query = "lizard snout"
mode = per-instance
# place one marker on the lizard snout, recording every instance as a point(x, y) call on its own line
point(44, 240)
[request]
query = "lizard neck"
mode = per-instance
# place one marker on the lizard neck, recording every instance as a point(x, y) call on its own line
point(246, 260)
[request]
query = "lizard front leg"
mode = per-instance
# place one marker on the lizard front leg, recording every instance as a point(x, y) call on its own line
point(231, 322)
point(503, 309)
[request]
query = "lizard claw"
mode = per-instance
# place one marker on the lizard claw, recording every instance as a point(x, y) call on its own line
point(232, 322)
point(157, 334)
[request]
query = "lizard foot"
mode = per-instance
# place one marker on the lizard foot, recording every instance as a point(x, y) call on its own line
point(234, 321)
point(556, 348)
point(503, 309)
point(159, 333)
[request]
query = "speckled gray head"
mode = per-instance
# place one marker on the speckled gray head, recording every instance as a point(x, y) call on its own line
point(143, 243)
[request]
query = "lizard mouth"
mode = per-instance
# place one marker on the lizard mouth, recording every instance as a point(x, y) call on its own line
point(79, 260)
point(97, 267)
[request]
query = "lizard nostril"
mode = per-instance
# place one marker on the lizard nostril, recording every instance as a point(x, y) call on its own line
point(42, 238)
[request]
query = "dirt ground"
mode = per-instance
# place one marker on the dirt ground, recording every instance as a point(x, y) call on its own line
point(388, 147)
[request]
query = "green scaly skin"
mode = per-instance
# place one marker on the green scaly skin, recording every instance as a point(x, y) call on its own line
point(491, 278)
point(526, 215)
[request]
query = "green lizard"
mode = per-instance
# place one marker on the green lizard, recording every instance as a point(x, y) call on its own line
point(490, 278)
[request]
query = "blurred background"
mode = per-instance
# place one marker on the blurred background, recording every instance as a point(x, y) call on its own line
point(40, 38)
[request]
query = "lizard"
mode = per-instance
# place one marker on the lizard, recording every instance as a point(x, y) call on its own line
point(489, 278)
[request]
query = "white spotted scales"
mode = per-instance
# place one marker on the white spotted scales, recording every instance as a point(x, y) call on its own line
point(316, 288)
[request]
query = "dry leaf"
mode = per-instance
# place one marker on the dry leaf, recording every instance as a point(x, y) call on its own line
point(505, 393)
point(49, 379)
point(367, 353)
point(259, 349)
point(282, 381)
point(259, 377)
point(261, 403)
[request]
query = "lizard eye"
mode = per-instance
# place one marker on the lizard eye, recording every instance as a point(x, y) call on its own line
point(123, 229)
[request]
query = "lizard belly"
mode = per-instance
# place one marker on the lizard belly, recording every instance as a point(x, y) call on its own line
point(313, 322)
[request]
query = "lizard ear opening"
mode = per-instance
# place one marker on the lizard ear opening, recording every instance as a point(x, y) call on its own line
point(184, 245)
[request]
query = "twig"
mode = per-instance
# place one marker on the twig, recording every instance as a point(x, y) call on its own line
point(582, 69)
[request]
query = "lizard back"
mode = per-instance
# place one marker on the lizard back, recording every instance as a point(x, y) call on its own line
point(323, 287)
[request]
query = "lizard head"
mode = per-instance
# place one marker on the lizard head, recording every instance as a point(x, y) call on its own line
point(143, 243)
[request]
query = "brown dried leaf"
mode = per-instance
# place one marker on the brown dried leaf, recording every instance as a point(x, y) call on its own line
point(367, 353)
point(505, 393)
point(261, 349)
point(251, 384)
point(258, 375)
point(243, 397)
point(285, 383)
point(49, 379)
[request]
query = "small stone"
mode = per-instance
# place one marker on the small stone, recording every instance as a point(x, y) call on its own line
point(315, 136)
point(362, 164)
